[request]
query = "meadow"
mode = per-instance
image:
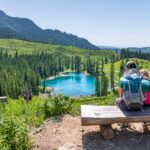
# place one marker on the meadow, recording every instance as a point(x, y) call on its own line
point(26, 47)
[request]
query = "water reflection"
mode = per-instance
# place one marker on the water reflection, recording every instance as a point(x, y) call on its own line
point(73, 84)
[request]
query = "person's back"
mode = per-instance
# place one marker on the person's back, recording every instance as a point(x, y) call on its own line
point(131, 94)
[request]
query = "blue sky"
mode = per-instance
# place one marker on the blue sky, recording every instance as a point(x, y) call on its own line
point(120, 23)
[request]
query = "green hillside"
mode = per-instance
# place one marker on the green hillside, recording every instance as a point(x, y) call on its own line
point(24, 47)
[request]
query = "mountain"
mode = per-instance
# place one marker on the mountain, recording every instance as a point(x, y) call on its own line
point(136, 49)
point(142, 49)
point(109, 48)
point(23, 28)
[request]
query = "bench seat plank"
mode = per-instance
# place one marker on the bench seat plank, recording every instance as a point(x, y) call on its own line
point(97, 115)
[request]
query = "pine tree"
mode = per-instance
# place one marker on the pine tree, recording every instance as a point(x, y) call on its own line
point(121, 69)
point(72, 63)
point(97, 82)
point(112, 75)
point(104, 84)
point(44, 86)
point(97, 89)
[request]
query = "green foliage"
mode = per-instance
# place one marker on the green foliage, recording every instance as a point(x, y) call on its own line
point(58, 105)
point(112, 75)
point(14, 134)
point(17, 74)
point(44, 86)
point(127, 53)
point(104, 84)
point(101, 80)
point(34, 112)
point(92, 100)
point(97, 89)
point(21, 74)
point(31, 112)
point(121, 69)
point(18, 114)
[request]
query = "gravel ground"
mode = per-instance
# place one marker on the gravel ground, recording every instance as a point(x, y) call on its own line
point(66, 133)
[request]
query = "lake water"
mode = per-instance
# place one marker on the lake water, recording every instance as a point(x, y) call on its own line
point(73, 84)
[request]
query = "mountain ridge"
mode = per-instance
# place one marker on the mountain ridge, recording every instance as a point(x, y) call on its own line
point(24, 28)
point(145, 49)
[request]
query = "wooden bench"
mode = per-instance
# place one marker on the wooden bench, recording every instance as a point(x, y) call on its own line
point(3, 99)
point(107, 115)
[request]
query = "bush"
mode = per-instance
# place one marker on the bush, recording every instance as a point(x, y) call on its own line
point(13, 135)
point(19, 114)
point(31, 112)
point(57, 105)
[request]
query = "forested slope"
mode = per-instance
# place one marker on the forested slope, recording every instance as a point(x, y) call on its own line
point(23, 64)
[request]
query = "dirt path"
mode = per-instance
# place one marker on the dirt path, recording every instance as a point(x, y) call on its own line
point(66, 133)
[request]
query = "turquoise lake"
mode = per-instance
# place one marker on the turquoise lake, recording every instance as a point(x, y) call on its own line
point(73, 84)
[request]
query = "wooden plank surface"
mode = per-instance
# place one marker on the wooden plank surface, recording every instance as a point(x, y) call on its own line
point(3, 99)
point(96, 115)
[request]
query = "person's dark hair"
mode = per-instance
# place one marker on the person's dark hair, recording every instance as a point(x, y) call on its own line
point(131, 65)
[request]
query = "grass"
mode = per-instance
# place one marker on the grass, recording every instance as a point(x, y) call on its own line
point(24, 47)
point(92, 100)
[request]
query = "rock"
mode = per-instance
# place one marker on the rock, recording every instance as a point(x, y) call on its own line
point(37, 130)
point(107, 132)
point(81, 130)
point(55, 131)
point(68, 146)
point(117, 132)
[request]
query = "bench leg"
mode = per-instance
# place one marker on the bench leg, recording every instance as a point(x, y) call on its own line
point(107, 132)
point(145, 126)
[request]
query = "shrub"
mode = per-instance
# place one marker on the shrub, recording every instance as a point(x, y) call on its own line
point(58, 105)
point(13, 135)
point(31, 112)
point(35, 112)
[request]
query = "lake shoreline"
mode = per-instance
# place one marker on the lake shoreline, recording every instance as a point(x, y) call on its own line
point(54, 77)
point(61, 74)
point(77, 85)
